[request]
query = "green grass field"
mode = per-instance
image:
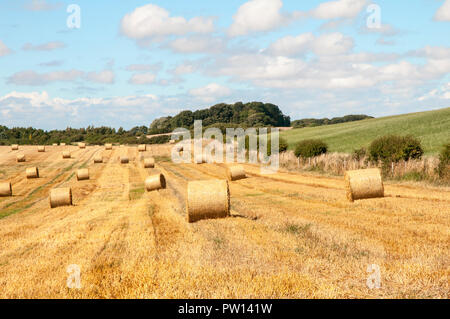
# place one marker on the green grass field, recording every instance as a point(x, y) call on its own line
point(432, 128)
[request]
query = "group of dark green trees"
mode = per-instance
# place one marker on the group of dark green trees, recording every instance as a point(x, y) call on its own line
point(253, 114)
point(325, 121)
point(91, 135)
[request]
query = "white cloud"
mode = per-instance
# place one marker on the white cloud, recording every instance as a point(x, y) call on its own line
point(42, 5)
point(49, 46)
point(291, 46)
point(38, 109)
point(197, 44)
point(144, 67)
point(257, 16)
point(432, 52)
point(184, 69)
point(106, 77)
point(210, 92)
point(52, 63)
point(442, 93)
point(4, 50)
point(259, 67)
point(443, 13)
point(341, 9)
point(35, 99)
point(30, 77)
point(152, 21)
point(143, 78)
point(332, 44)
point(326, 44)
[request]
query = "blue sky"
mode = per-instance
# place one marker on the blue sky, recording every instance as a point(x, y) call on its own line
point(133, 61)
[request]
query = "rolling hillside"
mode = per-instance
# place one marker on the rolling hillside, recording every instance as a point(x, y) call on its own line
point(431, 127)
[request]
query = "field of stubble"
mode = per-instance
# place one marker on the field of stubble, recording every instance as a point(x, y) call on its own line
point(289, 236)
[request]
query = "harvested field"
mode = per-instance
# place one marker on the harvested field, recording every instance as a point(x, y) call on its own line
point(289, 235)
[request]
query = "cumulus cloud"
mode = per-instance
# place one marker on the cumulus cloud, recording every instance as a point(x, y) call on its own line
point(153, 22)
point(341, 9)
point(443, 13)
point(144, 67)
point(39, 108)
point(257, 16)
point(30, 77)
point(184, 68)
point(42, 5)
point(33, 78)
point(49, 46)
point(142, 78)
point(441, 93)
point(326, 44)
point(52, 63)
point(332, 43)
point(210, 92)
point(105, 77)
point(4, 50)
point(197, 44)
point(292, 45)
point(342, 70)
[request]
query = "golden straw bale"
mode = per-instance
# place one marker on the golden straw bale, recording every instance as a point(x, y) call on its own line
point(66, 154)
point(108, 146)
point(41, 148)
point(14, 147)
point(124, 160)
point(62, 144)
point(5, 189)
point(98, 159)
point(60, 197)
point(207, 199)
point(142, 148)
point(364, 183)
point(155, 182)
point(32, 172)
point(235, 172)
point(81, 145)
point(149, 162)
point(20, 158)
point(82, 174)
point(172, 142)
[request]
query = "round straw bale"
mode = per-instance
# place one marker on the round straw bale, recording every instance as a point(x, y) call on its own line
point(41, 148)
point(14, 147)
point(124, 160)
point(108, 146)
point(82, 145)
point(20, 158)
point(66, 154)
point(172, 142)
point(60, 197)
point(142, 148)
point(62, 144)
point(32, 172)
point(55, 144)
point(149, 162)
point(98, 159)
point(207, 199)
point(155, 182)
point(82, 174)
point(364, 183)
point(5, 189)
point(235, 172)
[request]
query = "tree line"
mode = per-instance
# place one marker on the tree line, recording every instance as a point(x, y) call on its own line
point(91, 135)
point(253, 114)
